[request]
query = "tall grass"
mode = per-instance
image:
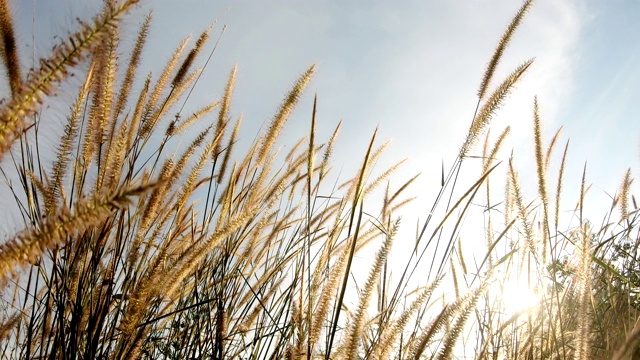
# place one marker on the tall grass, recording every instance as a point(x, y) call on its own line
point(136, 246)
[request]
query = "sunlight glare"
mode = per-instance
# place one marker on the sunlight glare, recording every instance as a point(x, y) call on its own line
point(515, 296)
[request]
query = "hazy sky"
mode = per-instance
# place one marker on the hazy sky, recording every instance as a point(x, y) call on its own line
point(412, 68)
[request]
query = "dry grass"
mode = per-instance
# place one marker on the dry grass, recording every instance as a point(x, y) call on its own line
point(120, 257)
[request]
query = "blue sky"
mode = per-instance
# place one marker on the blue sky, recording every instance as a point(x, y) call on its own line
point(411, 68)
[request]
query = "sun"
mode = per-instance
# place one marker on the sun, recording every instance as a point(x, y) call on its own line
point(514, 296)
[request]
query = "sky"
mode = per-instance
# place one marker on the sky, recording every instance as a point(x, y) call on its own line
point(409, 68)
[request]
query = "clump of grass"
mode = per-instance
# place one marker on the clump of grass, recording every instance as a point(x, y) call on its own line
point(119, 257)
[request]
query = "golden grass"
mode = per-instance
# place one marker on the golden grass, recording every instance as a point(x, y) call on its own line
point(136, 246)
point(502, 45)
point(10, 52)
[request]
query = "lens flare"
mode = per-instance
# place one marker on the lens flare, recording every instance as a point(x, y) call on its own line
point(514, 296)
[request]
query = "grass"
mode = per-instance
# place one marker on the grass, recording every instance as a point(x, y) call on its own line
point(137, 246)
